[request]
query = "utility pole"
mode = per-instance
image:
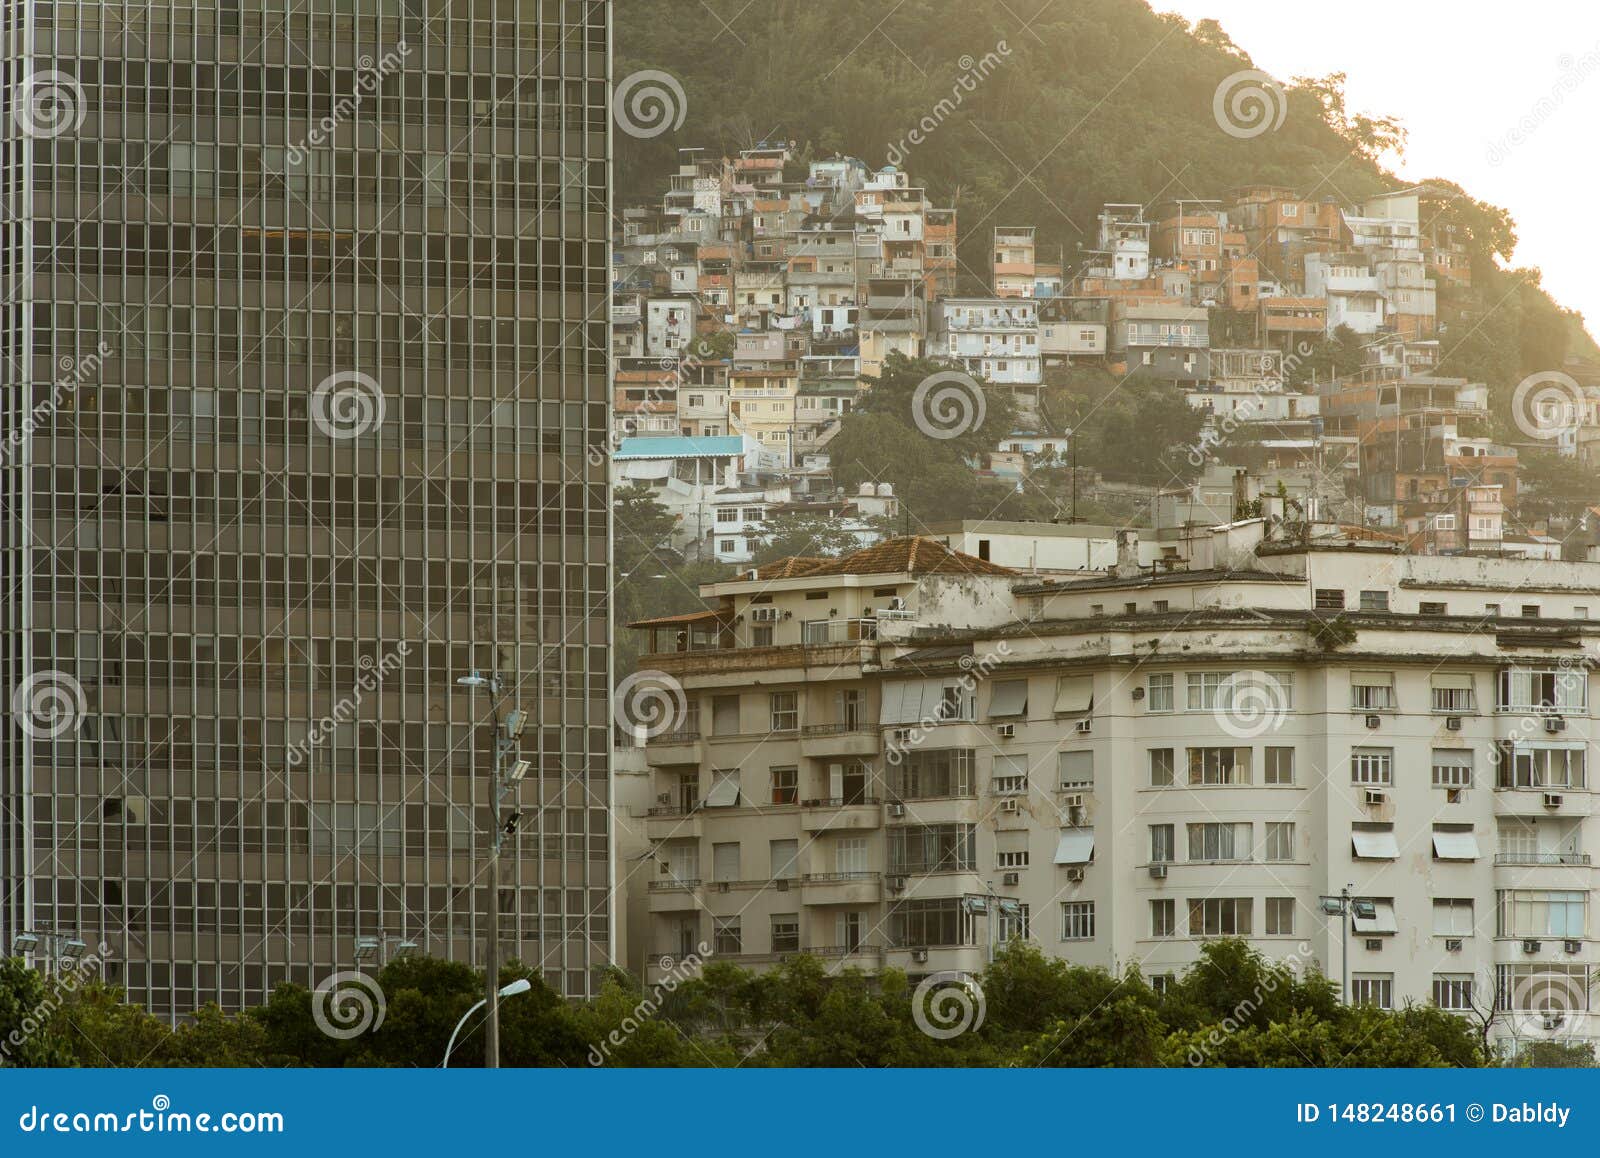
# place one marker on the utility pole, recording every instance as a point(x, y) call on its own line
point(1345, 906)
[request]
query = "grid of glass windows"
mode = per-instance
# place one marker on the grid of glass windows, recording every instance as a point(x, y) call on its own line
point(322, 451)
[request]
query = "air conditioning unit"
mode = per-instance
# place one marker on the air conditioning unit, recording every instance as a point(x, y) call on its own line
point(1452, 723)
point(1158, 872)
point(902, 735)
point(1376, 796)
point(1084, 727)
point(1552, 800)
point(897, 811)
point(1005, 731)
point(920, 956)
point(1009, 804)
point(1011, 879)
point(1452, 945)
point(765, 615)
point(783, 885)
point(1374, 721)
point(1531, 946)
point(1572, 946)
point(1555, 724)
point(1374, 944)
point(1553, 1021)
point(1075, 874)
point(897, 884)
point(664, 798)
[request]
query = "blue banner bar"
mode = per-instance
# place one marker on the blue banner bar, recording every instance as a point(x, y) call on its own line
point(551, 1112)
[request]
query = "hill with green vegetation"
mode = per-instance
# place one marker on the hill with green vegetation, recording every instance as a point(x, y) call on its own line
point(1078, 104)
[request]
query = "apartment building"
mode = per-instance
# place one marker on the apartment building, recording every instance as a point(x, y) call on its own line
point(333, 429)
point(900, 758)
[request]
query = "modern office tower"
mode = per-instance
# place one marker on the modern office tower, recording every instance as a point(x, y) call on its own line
point(304, 341)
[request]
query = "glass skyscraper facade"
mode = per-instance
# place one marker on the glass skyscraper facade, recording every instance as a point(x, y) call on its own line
point(304, 342)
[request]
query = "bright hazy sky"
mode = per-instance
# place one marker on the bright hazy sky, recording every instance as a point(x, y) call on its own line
point(1462, 75)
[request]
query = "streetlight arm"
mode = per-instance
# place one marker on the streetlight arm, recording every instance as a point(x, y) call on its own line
point(520, 985)
point(446, 1063)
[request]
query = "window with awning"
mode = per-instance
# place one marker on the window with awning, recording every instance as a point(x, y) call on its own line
point(1382, 919)
point(1376, 842)
point(724, 789)
point(1076, 769)
point(1454, 842)
point(1074, 695)
point(910, 702)
point(1452, 692)
point(1076, 846)
point(1009, 700)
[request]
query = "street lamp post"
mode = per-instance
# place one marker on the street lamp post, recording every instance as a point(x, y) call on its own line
point(58, 947)
point(385, 948)
point(520, 985)
point(502, 782)
point(1344, 906)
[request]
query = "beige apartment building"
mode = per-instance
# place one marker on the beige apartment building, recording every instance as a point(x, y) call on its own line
point(902, 757)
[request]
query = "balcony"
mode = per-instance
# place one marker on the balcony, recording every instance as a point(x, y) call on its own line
point(821, 741)
point(673, 896)
point(865, 955)
point(672, 823)
point(669, 748)
point(856, 888)
point(1575, 859)
point(833, 814)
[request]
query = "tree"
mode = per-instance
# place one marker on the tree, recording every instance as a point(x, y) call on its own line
point(30, 1034)
point(803, 533)
point(1369, 137)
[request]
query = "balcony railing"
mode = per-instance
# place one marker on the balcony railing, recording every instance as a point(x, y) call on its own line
point(1526, 858)
point(817, 632)
point(842, 950)
point(681, 736)
point(840, 802)
point(673, 885)
point(831, 878)
point(838, 729)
